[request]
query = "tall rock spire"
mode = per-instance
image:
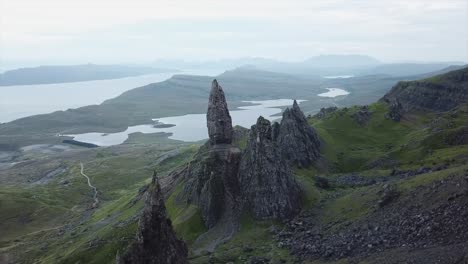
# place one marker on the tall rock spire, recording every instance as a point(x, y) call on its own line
point(218, 118)
point(156, 241)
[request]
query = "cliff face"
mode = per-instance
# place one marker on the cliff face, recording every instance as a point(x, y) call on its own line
point(440, 93)
point(212, 182)
point(297, 140)
point(156, 241)
point(267, 184)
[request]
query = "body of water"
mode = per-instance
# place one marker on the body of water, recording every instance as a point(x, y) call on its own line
point(191, 127)
point(339, 77)
point(19, 101)
point(334, 92)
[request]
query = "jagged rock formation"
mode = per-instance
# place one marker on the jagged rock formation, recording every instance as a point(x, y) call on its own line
point(156, 241)
point(212, 182)
point(267, 184)
point(218, 118)
point(297, 140)
point(439, 93)
point(223, 181)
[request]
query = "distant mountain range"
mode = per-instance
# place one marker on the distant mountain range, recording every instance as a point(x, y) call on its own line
point(323, 65)
point(72, 73)
point(318, 66)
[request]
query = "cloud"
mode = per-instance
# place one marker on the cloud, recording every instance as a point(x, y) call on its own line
point(139, 29)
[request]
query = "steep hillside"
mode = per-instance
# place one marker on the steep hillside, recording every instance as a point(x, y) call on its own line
point(438, 93)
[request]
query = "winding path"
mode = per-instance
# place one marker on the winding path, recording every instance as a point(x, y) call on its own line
point(96, 200)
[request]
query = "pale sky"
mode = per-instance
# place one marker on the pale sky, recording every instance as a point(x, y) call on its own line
point(121, 31)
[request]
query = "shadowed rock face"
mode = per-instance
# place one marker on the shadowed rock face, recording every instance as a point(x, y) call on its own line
point(212, 182)
point(218, 118)
point(268, 187)
point(297, 140)
point(156, 241)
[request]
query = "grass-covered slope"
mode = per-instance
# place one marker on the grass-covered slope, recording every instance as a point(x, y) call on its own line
point(424, 139)
point(48, 218)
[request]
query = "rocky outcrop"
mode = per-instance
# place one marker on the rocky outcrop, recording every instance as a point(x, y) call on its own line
point(324, 112)
point(212, 177)
point(212, 182)
point(268, 187)
point(362, 116)
point(395, 111)
point(156, 241)
point(222, 181)
point(297, 140)
point(218, 118)
point(439, 93)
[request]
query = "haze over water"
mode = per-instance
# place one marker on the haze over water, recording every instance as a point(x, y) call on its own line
point(19, 101)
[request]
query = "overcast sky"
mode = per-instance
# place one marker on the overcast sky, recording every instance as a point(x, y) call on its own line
point(119, 31)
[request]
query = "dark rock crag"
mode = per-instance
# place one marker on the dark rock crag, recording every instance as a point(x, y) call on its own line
point(218, 118)
point(298, 142)
point(324, 112)
point(211, 178)
point(156, 241)
point(268, 186)
point(212, 182)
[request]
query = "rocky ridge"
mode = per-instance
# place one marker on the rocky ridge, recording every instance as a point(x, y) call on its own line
point(439, 93)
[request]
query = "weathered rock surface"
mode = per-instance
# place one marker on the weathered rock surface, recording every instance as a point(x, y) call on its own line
point(211, 178)
point(156, 241)
point(267, 185)
point(218, 118)
point(212, 181)
point(428, 225)
point(395, 110)
point(297, 140)
point(439, 93)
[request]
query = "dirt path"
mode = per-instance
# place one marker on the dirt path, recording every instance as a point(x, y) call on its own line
point(96, 200)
